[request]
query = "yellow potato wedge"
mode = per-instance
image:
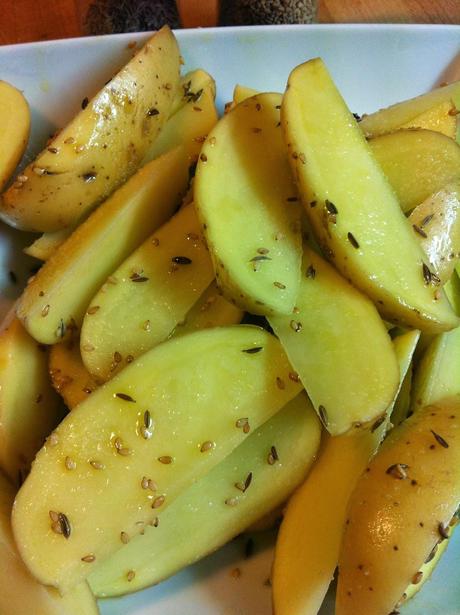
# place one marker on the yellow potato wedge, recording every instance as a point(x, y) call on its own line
point(20, 593)
point(102, 474)
point(14, 130)
point(331, 341)
point(47, 244)
point(352, 207)
point(102, 146)
point(191, 86)
point(148, 295)
point(241, 92)
point(69, 376)
point(387, 120)
point(211, 310)
point(403, 401)
point(29, 408)
point(308, 545)
point(189, 127)
point(400, 510)
point(239, 490)
point(248, 205)
point(59, 294)
point(417, 163)
point(437, 223)
point(441, 118)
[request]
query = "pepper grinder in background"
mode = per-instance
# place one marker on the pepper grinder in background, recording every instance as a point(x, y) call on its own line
point(114, 16)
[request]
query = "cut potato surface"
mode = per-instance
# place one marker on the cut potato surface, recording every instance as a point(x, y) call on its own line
point(102, 146)
point(248, 205)
point(238, 491)
point(211, 310)
point(417, 163)
point(29, 408)
point(191, 87)
point(20, 593)
point(168, 419)
point(332, 341)
point(14, 130)
point(405, 112)
point(189, 127)
point(437, 223)
point(402, 508)
point(57, 297)
point(148, 295)
point(308, 545)
point(47, 244)
point(352, 207)
point(441, 118)
point(68, 375)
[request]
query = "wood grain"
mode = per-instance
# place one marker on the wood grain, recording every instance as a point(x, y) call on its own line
point(39, 20)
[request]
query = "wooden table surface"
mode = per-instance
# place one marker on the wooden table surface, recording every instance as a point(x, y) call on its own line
point(38, 20)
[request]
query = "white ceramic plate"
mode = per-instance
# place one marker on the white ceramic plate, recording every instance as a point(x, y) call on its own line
point(373, 66)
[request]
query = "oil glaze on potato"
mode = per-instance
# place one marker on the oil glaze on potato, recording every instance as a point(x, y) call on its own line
point(239, 490)
point(20, 593)
point(29, 408)
point(102, 146)
point(440, 118)
point(14, 130)
point(401, 510)
point(167, 419)
point(308, 544)
point(332, 341)
point(149, 294)
point(352, 207)
point(57, 297)
point(247, 202)
point(68, 375)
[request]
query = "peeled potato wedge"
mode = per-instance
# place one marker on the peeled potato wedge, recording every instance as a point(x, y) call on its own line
point(352, 207)
point(332, 341)
point(148, 295)
point(168, 419)
point(248, 205)
point(219, 506)
point(14, 130)
point(69, 376)
point(19, 591)
point(29, 408)
point(437, 223)
point(417, 163)
point(440, 118)
point(405, 112)
point(102, 146)
point(57, 297)
point(401, 510)
point(308, 545)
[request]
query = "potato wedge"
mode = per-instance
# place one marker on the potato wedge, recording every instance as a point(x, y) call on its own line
point(403, 401)
point(211, 310)
point(29, 408)
point(247, 202)
point(200, 521)
point(47, 244)
point(308, 545)
point(241, 92)
point(331, 341)
point(148, 295)
point(14, 130)
point(401, 509)
point(417, 163)
point(440, 118)
point(437, 222)
point(105, 472)
point(73, 381)
point(189, 127)
point(387, 120)
point(19, 591)
point(352, 207)
point(59, 294)
point(191, 87)
point(69, 376)
point(102, 146)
